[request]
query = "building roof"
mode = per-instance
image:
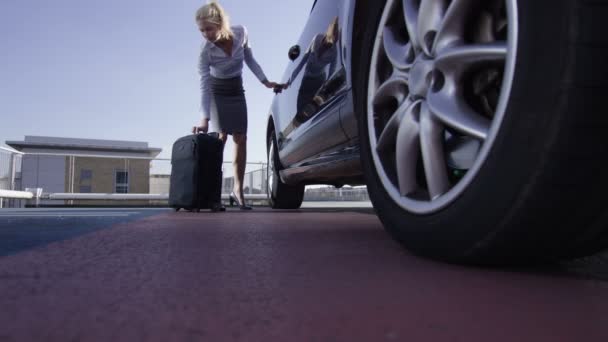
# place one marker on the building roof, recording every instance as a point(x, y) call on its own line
point(68, 145)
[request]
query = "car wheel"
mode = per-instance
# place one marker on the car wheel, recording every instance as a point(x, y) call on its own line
point(280, 195)
point(481, 133)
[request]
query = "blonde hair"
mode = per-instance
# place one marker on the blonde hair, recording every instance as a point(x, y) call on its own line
point(333, 32)
point(214, 13)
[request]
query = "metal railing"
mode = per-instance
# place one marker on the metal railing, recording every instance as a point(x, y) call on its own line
point(10, 169)
point(77, 179)
point(90, 179)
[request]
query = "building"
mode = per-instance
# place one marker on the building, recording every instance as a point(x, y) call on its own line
point(68, 165)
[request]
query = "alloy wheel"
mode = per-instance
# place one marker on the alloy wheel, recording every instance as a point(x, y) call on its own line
point(439, 81)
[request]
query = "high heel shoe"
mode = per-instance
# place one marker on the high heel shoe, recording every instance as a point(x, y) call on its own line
point(234, 199)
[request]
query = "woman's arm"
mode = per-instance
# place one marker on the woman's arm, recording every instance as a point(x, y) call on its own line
point(312, 47)
point(204, 72)
point(250, 61)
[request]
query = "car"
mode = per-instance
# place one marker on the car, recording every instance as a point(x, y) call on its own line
point(477, 126)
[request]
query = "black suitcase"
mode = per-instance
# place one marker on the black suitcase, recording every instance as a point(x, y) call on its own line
point(196, 173)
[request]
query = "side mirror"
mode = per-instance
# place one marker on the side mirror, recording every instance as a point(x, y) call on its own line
point(294, 52)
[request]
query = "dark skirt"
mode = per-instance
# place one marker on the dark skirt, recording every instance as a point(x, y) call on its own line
point(228, 105)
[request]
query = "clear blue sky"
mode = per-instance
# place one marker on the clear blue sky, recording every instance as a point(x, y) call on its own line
point(127, 69)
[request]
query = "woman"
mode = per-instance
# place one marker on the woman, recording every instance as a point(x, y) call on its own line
point(223, 99)
point(320, 61)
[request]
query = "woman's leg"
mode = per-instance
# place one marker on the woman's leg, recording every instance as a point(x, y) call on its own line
point(240, 161)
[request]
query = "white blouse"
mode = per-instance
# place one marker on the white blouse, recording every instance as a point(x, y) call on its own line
point(214, 62)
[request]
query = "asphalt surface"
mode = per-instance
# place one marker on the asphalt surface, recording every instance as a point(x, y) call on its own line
point(325, 274)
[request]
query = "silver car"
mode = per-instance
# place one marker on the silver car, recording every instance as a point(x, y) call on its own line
point(478, 126)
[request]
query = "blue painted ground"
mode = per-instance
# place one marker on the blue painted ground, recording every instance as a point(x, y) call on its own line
point(22, 229)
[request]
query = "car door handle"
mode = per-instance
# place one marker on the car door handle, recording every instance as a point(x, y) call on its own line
point(294, 52)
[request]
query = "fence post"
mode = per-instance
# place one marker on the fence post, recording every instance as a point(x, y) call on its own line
point(251, 182)
point(72, 167)
point(11, 169)
point(13, 174)
point(264, 179)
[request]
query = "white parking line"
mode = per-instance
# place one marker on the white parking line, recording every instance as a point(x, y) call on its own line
point(81, 214)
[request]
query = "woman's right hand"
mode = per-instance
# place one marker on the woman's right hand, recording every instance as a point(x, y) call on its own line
point(204, 127)
point(279, 88)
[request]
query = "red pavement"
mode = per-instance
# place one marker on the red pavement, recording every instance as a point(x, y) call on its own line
point(278, 276)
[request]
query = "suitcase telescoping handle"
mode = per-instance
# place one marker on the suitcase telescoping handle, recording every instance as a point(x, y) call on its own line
point(195, 131)
point(214, 135)
point(211, 134)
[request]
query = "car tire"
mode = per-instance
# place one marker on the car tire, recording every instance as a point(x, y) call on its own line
point(280, 195)
point(538, 193)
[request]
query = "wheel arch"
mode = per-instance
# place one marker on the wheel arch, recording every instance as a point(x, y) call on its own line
point(355, 27)
point(269, 128)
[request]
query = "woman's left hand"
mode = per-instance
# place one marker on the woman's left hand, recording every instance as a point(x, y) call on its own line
point(270, 85)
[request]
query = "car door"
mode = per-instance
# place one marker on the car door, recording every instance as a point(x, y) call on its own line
point(309, 109)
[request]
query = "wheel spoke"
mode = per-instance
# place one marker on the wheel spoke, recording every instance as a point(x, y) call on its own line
point(389, 133)
point(400, 54)
point(433, 156)
point(393, 88)
point(429, 22)
point(408, 147)
point(456, 60)
point(452, 28)
point(411, 9)
point(270, 171)
point(485, 34)
point(451, 109)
